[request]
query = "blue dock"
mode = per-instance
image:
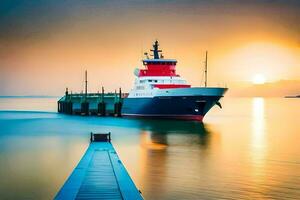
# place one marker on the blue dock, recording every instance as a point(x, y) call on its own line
point(100, 174)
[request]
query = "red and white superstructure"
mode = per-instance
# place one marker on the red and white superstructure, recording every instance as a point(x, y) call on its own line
point(159, 74)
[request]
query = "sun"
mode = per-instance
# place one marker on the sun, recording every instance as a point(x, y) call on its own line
point(258, 79)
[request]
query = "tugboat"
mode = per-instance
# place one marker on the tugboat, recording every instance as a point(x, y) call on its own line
point(159, 92)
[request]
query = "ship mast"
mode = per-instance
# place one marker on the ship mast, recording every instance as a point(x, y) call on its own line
point(155, 50)
point(205, 69)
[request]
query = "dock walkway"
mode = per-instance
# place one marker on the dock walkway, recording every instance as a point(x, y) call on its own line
point(99, 175)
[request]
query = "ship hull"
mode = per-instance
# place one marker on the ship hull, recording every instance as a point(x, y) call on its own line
point(171, 107)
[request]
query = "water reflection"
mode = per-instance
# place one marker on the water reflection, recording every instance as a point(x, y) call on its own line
point(258, 127)
point(258, 142)
point(175, 132)
point(258, 118)
point(171, 155)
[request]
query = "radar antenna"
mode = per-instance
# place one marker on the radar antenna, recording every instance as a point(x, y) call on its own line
point(146, 54)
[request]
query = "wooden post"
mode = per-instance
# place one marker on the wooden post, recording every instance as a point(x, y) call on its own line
point(86, 84)
point(102, 94)
point(67, 93)
point(120, 94)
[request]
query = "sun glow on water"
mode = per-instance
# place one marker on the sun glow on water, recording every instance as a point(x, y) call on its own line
point(258, 149)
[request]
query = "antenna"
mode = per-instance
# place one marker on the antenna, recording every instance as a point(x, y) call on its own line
point(205, 69)
point(86, 83)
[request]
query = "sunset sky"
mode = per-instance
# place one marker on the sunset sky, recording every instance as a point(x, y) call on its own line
point(45, 46)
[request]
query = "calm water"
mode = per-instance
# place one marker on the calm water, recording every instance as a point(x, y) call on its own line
point(248, 150)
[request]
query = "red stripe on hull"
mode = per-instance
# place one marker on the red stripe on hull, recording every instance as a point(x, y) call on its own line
point(176, 117)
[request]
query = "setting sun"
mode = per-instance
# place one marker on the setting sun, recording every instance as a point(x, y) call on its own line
point(258, 79)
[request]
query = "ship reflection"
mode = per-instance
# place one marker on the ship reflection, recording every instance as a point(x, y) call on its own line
point(165, 132)
point(170, 151)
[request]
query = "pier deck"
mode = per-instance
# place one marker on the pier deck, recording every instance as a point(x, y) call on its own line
point(99, 175)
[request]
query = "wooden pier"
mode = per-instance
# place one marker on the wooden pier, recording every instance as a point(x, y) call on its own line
point(99, 175)
point(100, 104)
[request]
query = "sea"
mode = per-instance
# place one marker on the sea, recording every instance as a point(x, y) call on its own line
point(249, 149)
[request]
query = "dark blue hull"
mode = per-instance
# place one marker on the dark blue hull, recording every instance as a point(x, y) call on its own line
point(179, 107)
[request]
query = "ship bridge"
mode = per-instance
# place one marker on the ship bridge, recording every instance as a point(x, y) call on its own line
point(158, 66)
point(158, 73)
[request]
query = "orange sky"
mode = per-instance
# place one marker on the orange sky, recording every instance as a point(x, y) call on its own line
point(45, 47)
